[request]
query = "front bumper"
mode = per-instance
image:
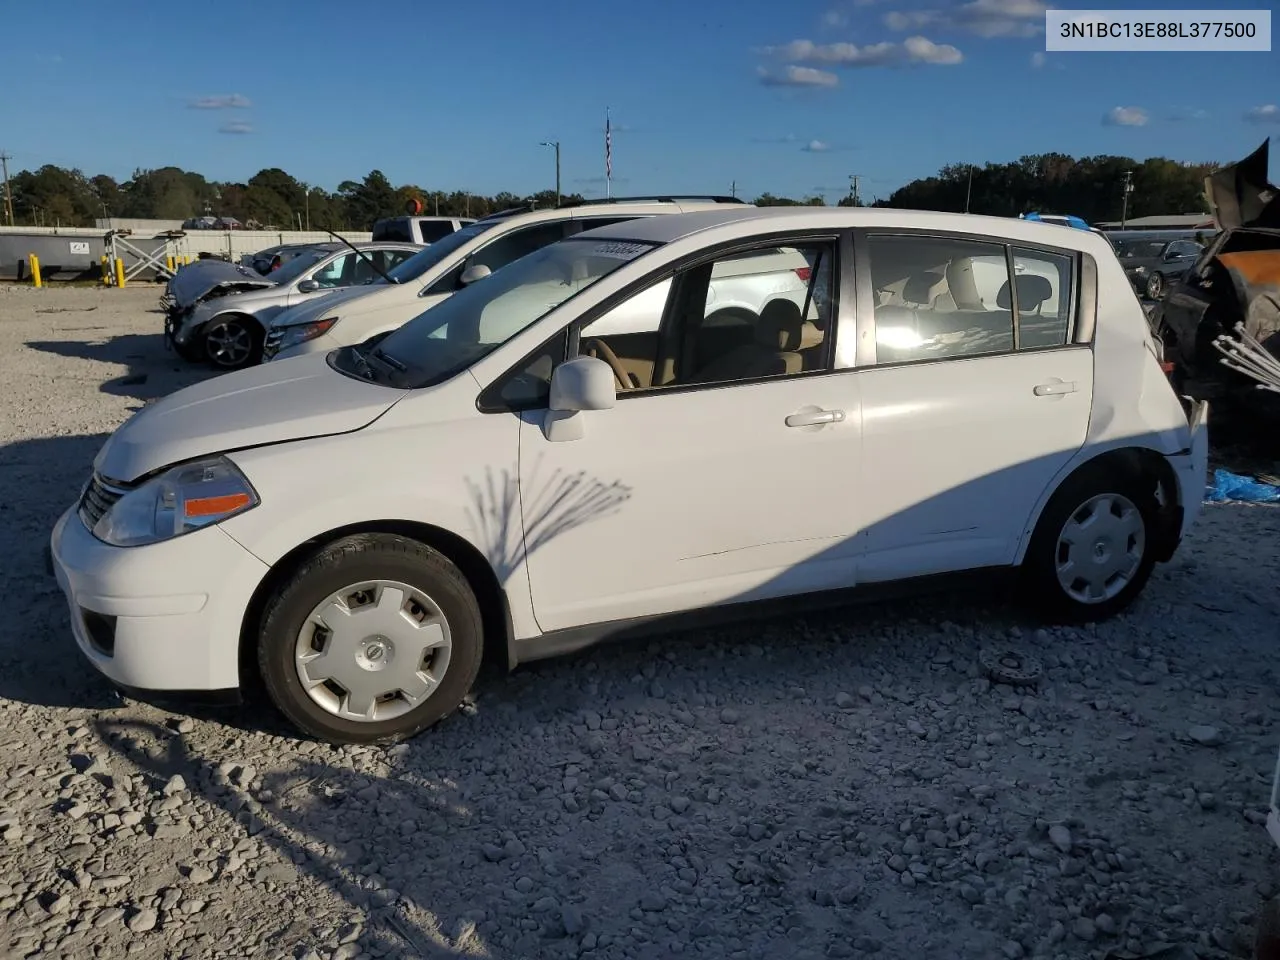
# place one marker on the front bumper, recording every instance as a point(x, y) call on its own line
point(162, 618)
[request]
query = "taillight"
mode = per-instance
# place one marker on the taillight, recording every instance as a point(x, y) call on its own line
point(803, 273)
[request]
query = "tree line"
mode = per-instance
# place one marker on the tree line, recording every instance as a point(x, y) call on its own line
point(1089, 187)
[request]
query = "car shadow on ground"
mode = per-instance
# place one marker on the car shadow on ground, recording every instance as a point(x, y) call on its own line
point(152, 370)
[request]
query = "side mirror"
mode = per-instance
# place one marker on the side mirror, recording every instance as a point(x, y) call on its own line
point(583, 383)
point(308, 286)
point(476, 271)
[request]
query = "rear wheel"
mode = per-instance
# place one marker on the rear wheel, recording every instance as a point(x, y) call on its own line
point(376, 638)
point(1092, 551)
point(233, 342)
point(1155, 286)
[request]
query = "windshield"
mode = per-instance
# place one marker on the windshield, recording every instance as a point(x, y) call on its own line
point(294, 267)
point(452, 335)
point(424, 260)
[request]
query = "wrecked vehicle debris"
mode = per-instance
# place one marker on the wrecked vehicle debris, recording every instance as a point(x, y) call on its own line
point(1220, 326)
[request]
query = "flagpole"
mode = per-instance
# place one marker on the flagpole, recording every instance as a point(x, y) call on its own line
point(608, 157)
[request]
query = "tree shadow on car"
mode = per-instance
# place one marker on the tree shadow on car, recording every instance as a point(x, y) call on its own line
point(152, 371)
point(354, 831)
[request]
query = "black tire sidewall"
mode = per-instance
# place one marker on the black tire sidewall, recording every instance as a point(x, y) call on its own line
point(256, 339)
point(351, 561)
point(1039, 565)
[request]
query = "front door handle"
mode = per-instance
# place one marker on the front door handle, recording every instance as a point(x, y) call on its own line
point(813, 418)
point(1055, 389)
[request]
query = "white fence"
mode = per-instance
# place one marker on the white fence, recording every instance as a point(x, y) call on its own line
point(228, 243)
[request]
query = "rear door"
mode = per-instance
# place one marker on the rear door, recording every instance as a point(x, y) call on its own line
point(971, 406)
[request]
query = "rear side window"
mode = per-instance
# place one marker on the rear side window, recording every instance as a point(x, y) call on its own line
point(394, 231)
point(433, 230)
point(1043, 288)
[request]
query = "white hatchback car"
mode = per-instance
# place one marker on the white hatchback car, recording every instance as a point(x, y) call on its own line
point(518, 471)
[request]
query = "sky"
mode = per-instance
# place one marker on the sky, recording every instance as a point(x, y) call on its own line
point(790, 98)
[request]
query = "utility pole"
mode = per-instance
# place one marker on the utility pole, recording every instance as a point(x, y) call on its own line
point(556, 145)
point(8, 197)
point(733, 189)
point(1128, 189)
point(853, 188)
point(969, 189)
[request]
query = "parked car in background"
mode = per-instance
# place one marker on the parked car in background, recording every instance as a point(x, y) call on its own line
point(448, 265)
point(1152, 265)
point(413, 229)
point(273, 258)
point(517, 469)
point(221, 314)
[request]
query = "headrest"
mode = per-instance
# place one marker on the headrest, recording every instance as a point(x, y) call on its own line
point(1033, 290)
point(780, 325)
point(578, 271)
point(963, 286)
point(919, 287)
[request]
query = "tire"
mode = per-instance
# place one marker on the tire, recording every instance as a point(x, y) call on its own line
point(1155, 286)
point(288, 636)
point(192, 351)
point(232, 342)
point(1110, 480)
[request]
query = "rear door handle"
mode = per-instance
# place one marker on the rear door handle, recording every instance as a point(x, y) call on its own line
point(813, 418)
point(1055, 389)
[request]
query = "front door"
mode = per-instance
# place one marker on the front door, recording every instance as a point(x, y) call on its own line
point(727, 470)
point(977, 400)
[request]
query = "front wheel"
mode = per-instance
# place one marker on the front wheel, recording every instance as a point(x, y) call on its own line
point(1155, 286)
point(374, 639)
point(233, 342)
point(1091, 553)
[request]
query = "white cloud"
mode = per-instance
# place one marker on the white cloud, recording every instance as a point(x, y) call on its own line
point(923, 50)
point(912, 50)
point(1270, 113)
point(986, 18)
point(1038, 59)
point(236, 126)
point(816, 146)
point(227, 101)
point(1126, 117)
point(797, 76)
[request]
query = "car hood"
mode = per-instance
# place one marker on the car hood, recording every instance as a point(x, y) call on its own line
point(340, 302)
point(272, 403)
point(1240, 195)
point(204, 277)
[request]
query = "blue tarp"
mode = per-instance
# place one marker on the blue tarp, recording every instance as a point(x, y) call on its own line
point(1073, 221)
point(1232, 486)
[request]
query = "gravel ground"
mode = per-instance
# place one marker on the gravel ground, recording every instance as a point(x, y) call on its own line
point(845, 785)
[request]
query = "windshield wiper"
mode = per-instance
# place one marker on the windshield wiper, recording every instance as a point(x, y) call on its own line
point(363, 367)
point(390, 361)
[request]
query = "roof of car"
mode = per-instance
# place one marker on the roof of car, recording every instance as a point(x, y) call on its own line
point(330, 245)
point(679, 226)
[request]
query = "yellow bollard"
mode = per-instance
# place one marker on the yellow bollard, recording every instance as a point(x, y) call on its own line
point(168, 263)
point(106, 273)
point(119, 272)
point(35, 269)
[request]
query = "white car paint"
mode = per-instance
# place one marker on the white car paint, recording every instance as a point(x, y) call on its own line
point(923, 468)
point(353, 316)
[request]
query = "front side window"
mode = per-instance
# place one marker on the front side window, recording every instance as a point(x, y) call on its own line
point(502, 251)
point(939, 298)
point(422, 261)
point(757, 314)
point(445, 339)
point(337, 272)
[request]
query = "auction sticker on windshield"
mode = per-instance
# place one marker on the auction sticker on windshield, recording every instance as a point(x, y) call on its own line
point(619, 251)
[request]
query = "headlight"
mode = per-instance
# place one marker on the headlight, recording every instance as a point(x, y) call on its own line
point(180, 500)
point(302, 332)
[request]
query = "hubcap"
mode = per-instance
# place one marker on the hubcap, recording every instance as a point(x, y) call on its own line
point(228, 344)
point(373, 651)
point(1100, 548)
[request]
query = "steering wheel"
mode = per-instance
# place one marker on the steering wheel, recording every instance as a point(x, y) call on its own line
point(595, 347)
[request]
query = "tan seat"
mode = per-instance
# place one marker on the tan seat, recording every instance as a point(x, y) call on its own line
point(774, 351)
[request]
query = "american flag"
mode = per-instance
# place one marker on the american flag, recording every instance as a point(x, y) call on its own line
point(608, 147)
